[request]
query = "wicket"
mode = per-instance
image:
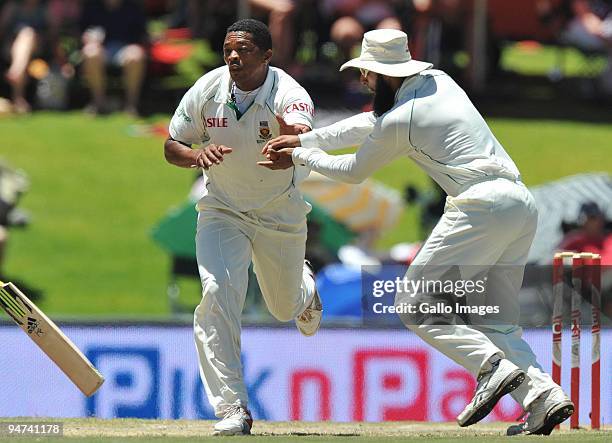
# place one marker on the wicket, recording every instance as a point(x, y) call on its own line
point(585, 284)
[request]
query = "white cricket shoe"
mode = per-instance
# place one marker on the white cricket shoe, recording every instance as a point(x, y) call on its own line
point(547, 411)
point(236, 421)
point(308, 322)
point(502, 378)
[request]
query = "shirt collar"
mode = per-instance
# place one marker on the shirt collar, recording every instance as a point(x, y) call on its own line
point(223, 94)
point(408, 85)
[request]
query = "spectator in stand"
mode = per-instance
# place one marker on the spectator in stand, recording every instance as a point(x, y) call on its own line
point(212, 26)
point(64, 23)
point(114, 31)
point(591, 236)
point(22, 26)
point(591, 25)
point(439, 30)
point(13, 184)
point(555, 15)
point(280, 22)
point(210, 19)
point(355, 17)
point(585, 24)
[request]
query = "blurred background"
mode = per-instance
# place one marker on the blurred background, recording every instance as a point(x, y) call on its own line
point(98, 229)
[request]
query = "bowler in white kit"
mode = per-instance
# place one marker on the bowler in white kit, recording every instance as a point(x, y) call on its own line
point(488, 223)
point(248, 213)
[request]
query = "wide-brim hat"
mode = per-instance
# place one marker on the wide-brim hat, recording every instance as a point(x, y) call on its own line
point(385, 51)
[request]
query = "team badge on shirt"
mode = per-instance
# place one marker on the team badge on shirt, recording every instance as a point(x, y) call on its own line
point(264, 132)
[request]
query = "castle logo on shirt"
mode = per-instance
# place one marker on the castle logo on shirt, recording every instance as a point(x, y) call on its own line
point(264, 132)
point(299, 107)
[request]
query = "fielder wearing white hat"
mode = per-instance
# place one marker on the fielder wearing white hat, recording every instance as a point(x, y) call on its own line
point(385, 51)
point(487, 227)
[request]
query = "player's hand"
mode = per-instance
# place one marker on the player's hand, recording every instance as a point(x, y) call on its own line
point(281, 159)
point(286, 129)
point(281, 142)
point(210, 155)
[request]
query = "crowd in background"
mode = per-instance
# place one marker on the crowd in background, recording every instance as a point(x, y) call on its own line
point(58, 38)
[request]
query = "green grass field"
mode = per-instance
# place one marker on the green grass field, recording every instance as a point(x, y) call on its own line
point(130, 430)
point(530, 58)
point(97, 192)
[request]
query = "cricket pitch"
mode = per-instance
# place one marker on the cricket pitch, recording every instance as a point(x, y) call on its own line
point(132, 430)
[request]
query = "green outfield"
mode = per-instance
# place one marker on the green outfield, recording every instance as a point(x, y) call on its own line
point(531, 58)
point(97, 191)
point(130, 430)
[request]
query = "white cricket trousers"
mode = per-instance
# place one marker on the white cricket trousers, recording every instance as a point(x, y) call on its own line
point(274, 238)
point(485, 230)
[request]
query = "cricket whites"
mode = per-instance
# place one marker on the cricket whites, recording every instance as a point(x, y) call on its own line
point(50, 339)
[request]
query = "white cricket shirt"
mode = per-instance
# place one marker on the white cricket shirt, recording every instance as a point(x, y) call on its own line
point(433, 122)
point(206, 115)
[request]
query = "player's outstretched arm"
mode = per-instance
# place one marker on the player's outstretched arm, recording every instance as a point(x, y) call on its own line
point(278, 159)
point(352, 131)
point(288, 137)
point(380, 148)
point(184, 156)
point(281, 142)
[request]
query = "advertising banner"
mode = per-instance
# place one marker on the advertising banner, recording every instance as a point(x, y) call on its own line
point(339, 375)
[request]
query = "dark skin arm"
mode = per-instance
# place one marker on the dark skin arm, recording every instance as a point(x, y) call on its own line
point(182, 155)
point(285, 128)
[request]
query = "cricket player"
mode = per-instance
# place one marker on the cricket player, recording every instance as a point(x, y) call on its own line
point(488, 223)
point(249, 213)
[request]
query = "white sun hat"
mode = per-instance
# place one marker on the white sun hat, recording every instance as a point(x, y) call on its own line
point(385, 51)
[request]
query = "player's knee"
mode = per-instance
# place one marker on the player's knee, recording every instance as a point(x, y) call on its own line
point(27, 32)
point(210, 288)
point(93, 52)
point(133, 54)
point(209, 304)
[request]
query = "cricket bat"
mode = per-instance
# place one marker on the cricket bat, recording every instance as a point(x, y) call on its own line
point(50, 339)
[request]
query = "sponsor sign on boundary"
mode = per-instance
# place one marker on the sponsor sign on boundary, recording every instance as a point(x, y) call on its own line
point(339, 375)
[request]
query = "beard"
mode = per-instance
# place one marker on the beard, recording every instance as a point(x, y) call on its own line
point(384, 97)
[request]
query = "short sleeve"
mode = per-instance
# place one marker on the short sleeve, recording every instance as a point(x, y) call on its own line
point(187, 125)
point(298, 107)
